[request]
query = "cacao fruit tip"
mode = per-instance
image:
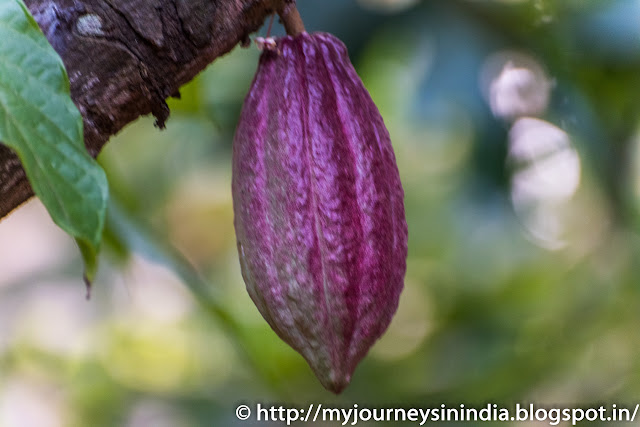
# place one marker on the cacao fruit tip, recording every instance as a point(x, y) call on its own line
point(318, 206)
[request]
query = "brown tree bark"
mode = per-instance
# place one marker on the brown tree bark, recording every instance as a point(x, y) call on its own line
point(125, 57)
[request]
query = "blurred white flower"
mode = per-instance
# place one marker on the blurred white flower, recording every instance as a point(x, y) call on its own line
point(546, 176)
point(515, 85)
point(31, 242)
point(28, 403)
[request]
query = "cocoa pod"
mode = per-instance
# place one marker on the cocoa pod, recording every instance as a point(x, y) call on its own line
point(318, 205)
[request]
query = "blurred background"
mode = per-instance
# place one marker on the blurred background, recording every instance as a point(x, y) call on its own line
point(516, 126)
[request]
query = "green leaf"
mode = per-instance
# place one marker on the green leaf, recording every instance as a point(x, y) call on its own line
point(39, 121)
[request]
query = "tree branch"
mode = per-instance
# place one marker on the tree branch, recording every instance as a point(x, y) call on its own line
point(125, 57)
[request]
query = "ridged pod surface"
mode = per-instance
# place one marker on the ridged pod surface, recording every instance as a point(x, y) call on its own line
point(318, 204)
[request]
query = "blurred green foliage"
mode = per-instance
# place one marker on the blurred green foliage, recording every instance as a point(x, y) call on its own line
point(515, 125)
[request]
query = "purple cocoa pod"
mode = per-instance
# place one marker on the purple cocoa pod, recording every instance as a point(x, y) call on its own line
point(318, 203)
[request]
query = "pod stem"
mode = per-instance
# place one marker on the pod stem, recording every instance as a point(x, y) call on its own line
point(291, 19)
